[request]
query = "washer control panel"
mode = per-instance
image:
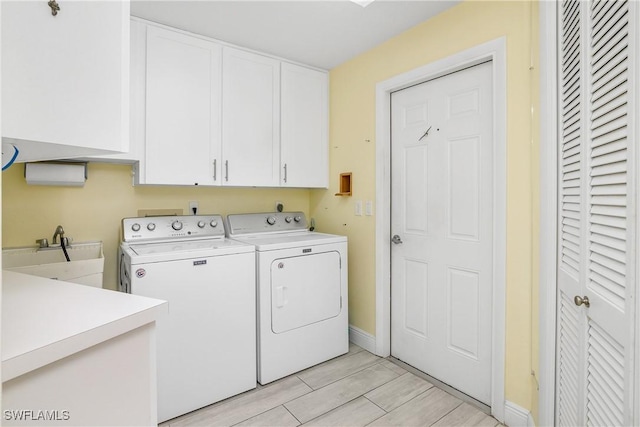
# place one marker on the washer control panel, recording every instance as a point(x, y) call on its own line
point(178, 227)
point(238, 224)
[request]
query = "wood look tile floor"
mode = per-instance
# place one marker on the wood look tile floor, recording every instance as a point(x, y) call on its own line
point(356, 389)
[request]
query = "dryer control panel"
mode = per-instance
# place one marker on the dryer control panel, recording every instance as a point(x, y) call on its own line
point(179, 227)
point(269, 222)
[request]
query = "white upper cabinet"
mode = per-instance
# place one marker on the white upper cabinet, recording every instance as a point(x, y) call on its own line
point(204, 113)
point(183, 77)
point(303, 139)
point(65, 78)
point(250, 119)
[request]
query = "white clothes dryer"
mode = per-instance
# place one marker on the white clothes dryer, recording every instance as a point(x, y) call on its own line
point(302, 297)
point(206, 346)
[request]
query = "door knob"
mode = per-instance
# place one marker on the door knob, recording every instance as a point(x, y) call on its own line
point(396, 239)
point(582, 300)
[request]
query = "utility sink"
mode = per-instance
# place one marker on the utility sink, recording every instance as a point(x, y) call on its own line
point(86, 266)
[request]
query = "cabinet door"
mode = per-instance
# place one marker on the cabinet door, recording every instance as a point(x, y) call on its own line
point(251, 119)
point(304, 147)
point(182, 109)
point(137, 76)
point(65, 78)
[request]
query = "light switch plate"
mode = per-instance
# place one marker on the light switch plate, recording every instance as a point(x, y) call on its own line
point(358, 207)
point(368, 209)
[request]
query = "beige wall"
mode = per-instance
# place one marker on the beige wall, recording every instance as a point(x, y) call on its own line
point(353, 149)
point(94, 211)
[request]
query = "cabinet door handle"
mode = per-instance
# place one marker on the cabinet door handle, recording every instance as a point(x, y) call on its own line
point(215, 169)
point(226, 170)
point(285, 173)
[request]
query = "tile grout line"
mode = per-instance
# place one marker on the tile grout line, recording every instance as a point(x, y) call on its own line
point(303, 382)
point(482, 407)
point(383, 410)
point(361, 368)
point(456, 407)
point(287, 409)
point(338, 407)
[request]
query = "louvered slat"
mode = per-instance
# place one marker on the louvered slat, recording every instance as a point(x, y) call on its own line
point(568, 361)
point(570, 143)
point(608, 153)
point(605, 376)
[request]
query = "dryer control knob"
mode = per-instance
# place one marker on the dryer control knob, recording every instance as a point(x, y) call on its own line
point(201, 224)
point(213, 223)
point(297, 218)
point(288, 219)
point(135, 227)
point(271, 220)
point(176, 225)
point(151, 226)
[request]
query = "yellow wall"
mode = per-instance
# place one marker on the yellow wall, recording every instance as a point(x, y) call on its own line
point(94, 211)
point(353, 149)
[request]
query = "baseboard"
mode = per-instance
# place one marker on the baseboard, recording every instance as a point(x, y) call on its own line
point(517, 416)
point(362, 339)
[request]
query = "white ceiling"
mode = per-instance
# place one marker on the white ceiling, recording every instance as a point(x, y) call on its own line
point(319, 33)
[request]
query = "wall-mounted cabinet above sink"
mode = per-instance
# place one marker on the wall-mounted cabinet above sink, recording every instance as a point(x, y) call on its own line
point(65, 78)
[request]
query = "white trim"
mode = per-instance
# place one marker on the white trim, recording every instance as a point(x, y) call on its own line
point(548, 212)
point(362, 339)
point(495, 51)
point(634, 83)
point(517, 416)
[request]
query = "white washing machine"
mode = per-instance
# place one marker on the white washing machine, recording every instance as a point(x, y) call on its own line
point(301, 288)
point(206, 346)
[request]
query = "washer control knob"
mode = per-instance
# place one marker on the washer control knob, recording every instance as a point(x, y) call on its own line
point(213, 223)
point(271, 220)
point(151, 226)
point(288, 219)
point(135, 227)
point(201, 224)
point(176, 225)
point(297, 218)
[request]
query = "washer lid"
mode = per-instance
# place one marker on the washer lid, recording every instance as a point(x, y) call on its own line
point(269, 242)
point(187, 249)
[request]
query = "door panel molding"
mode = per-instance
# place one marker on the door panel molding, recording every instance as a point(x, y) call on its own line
point(494, 51)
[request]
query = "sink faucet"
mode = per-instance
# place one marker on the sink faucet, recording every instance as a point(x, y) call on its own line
point(59, 232)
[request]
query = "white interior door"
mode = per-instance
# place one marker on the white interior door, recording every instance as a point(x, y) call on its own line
point(596, 250)
point(442, 211)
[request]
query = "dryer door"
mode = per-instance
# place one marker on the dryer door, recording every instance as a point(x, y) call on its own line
point(304, 290)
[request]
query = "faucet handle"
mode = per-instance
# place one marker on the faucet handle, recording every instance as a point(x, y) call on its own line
point(44, 243)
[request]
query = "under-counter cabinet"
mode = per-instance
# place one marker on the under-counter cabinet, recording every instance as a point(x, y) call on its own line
point(250, 119)
point(65, 78)
point(303, 127)
point(183, 77)
point(76, 355)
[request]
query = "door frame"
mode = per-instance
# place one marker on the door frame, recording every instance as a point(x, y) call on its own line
point(548, 16)
point(495, 51)
point(548, 212)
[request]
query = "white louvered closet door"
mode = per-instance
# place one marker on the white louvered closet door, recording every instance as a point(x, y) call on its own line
point(596, 239)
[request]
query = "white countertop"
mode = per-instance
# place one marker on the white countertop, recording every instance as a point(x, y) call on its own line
point(45, 320)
